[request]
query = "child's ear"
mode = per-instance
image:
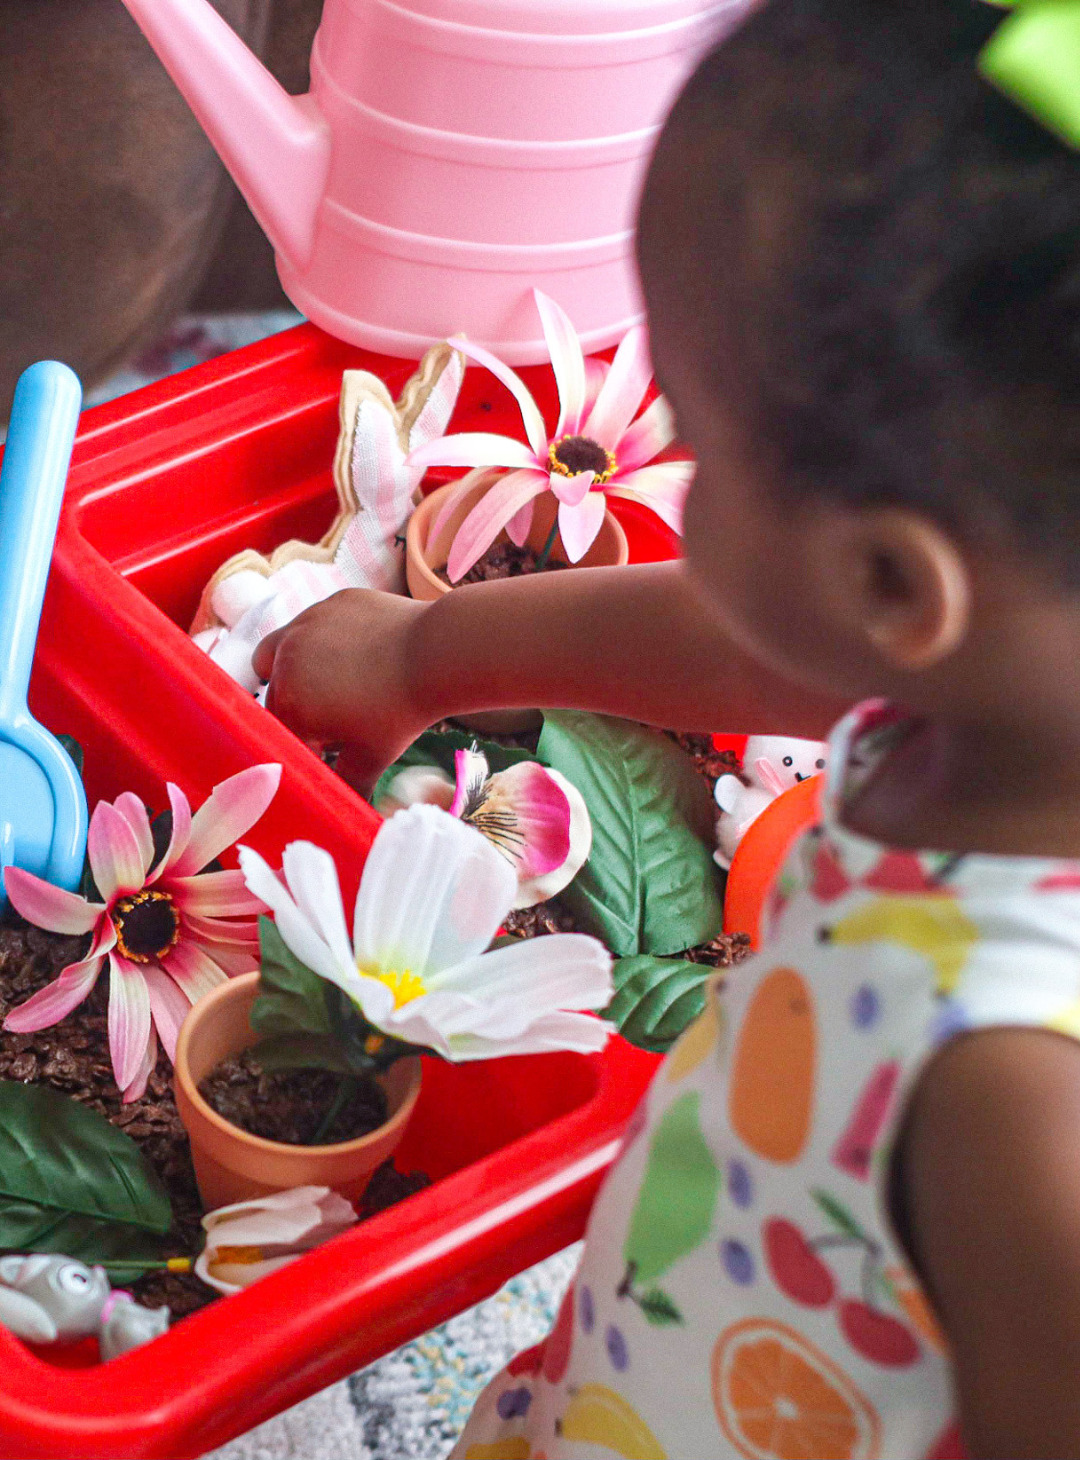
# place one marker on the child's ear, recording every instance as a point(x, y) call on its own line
point(903, 586)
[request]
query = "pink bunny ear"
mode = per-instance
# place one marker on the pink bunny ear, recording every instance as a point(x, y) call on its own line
point(434, 416)
point(768, 776)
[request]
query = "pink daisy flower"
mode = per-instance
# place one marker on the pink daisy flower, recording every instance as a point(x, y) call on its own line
point(169, 935)
point(598, 449)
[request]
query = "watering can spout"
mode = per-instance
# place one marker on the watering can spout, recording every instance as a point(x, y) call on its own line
point(276, 146)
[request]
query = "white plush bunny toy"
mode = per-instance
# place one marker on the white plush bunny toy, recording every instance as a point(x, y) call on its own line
point(771, 764)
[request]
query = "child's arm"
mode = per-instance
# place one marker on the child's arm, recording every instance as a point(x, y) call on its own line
point(991, 1165)
point(373, 670)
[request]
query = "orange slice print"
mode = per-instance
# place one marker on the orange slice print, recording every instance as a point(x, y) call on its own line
point(777, 1397)
point(771, 1096)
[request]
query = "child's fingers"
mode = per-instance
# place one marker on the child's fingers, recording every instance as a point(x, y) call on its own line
point(262, 661)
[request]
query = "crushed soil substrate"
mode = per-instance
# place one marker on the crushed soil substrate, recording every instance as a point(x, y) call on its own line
point(503, 560)
point(73, 1057)
point(291, 1105)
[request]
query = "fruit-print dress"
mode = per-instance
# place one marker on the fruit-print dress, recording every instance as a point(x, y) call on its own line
point(742, 1291)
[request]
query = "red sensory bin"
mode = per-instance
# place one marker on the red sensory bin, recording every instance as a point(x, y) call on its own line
point(165, 484)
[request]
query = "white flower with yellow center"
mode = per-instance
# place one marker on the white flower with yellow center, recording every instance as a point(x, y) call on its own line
point(431, 899)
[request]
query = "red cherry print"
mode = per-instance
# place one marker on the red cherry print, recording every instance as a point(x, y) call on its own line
point(559, 1341)
point(901, 872)
point(796, 1268)
point(830, 879)
point(526, 1362)
point(875, 1335)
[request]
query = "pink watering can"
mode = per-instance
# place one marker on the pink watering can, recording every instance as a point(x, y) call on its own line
point(450, 156)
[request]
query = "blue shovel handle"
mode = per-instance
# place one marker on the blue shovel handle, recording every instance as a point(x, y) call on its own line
point(44, 416)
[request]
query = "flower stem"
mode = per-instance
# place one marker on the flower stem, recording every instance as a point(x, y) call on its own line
point(342, 1095)
point(168, 1264)
point(545, 553)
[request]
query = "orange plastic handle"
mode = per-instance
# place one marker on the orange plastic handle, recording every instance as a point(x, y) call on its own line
point(761, 853)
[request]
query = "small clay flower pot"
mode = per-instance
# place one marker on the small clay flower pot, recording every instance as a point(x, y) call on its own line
point(426, 554)
point(233, 1165)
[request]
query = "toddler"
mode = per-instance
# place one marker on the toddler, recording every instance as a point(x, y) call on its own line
point(846, 1218)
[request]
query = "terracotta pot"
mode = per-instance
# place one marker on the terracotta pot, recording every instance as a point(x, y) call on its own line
point(232, 1165)
point(425, 554)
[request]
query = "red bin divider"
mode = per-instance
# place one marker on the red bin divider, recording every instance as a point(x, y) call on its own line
point(165, 484)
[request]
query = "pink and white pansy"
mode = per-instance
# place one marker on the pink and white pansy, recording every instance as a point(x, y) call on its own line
point(419, 965)
point(169, 932)
point(534, 816)
point(597, 450)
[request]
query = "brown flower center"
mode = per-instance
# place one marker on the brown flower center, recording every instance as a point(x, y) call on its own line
point(571, 455)
point(147, 925)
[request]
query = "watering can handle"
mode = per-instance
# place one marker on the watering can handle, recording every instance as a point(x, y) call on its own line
point(44, 415)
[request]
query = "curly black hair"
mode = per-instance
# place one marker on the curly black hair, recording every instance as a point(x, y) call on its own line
point(885, 265)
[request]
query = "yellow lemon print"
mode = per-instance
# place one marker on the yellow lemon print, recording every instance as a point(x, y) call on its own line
point(697, 1043)
point(933, 927)
point(597, 1415)
point(1066, 1021)
point(771, 1097)
point(516, 1448)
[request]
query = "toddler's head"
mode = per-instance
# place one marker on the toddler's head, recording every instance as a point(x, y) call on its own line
point(862, 265)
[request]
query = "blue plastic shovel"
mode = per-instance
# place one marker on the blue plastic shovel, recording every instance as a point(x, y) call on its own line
point(42, 802)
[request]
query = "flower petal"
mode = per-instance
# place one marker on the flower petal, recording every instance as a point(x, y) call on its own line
point(661, 487)
point(298, 933)
point(472, 448)
point(169, 1006)
point(490, 515)
point(596, 372)
point(417, 783)
point(580, 1033)
point(215, 895)
point(313, 881)
point(524, 812)
point(571, 490)
point(233, 1277)
point(283, 1216)
point(137, 1089)
point(535, 430)
point(57, 999)
point(49, 907)
point(578, 526)
point(445, 512)
point(113, 848)
point(647, 436)
point(567, 362)
point(520, 525)
point(471, 774)
point(519, 982)
point(242, 933)
point(133, 811)
point(622, 392)
point(539, 887)
point(181, 832)
point(228, 812)
point(192, 970)
point(129, 1018)
point(433, 892)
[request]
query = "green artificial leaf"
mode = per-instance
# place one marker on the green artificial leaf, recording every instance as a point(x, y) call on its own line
point(292, 998)
point(302, 1052)
point(649, 885)
point(438, 748)
point(658, 1308)
point(72, 1182)
point(656, 999)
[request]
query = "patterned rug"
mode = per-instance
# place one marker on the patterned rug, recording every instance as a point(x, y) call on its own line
point(412, 1404)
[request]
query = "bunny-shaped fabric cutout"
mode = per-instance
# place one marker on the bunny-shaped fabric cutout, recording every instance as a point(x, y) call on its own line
point(251, 595)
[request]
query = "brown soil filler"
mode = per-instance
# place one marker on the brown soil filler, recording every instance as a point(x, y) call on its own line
point(292, 1105)
point(503, 560)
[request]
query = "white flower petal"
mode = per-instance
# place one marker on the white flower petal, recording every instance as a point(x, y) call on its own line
point(567, 363)
point(535, 430)
point(313, 881)
point(622, 392)
point(433, 892)
point(417, 784)
point(520, 982)
point(580, 1033)
point(294, 928)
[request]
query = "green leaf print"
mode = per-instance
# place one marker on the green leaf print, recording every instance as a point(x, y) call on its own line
point(658, 1308)
point(678, 1195)
point(839, 1214)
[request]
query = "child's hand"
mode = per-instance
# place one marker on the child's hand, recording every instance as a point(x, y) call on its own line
point(340, 674)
